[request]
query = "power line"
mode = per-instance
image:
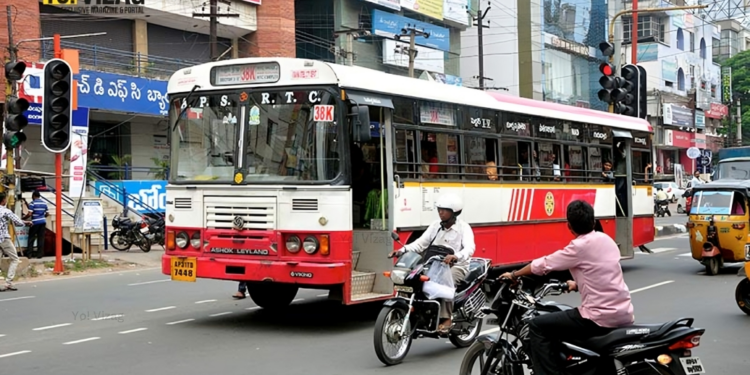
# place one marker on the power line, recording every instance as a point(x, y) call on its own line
point(214, 17)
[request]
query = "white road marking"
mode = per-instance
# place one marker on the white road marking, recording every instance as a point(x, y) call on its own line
point(120, 273)
point(685, 255)
point(253, 308)
point(220, 314)
point(2, 335)
point(651, 286)
point(16, 298)
point(162, 309)
point(109, 317)
point(132, 330)
point(487, 332)
point(15, 353)
point(81, 340)
point(51, 327)
point(297, 300)
point(663, 249)
point(180, 321)
point(323, 295)
point(205, 301)
point(150, 282)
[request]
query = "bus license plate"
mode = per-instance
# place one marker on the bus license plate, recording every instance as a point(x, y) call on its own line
point(405, 289)
point(692, 365)
point(184, 269)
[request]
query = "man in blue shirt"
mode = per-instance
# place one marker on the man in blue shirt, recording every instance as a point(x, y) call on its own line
point(39, 212)
point(6, 244)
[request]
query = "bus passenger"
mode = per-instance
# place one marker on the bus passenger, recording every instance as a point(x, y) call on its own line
point(491, 170)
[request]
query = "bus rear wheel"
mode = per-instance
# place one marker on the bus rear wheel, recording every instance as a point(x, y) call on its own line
point(272, 296)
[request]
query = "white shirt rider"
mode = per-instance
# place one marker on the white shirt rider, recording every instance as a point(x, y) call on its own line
point(458, 237)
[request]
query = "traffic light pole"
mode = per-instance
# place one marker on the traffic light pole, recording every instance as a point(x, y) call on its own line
point(10, 90)
point(58, 186)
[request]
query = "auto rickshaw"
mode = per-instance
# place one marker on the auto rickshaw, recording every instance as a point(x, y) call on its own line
point(718, 223)
point(742, 293)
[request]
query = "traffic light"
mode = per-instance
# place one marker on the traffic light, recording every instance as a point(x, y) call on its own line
point(631, 82)
point(15, 121)
point(57, 111)
point(612, 91)
point(642, 92)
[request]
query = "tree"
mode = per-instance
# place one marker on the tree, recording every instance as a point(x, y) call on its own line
point(741, 88)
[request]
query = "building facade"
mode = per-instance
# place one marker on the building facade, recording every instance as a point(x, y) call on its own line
point(374, 34)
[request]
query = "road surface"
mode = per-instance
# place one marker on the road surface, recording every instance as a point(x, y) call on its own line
point(141, 323)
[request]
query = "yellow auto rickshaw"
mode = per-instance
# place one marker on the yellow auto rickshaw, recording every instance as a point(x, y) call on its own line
point(718, 223)
point(742, 293)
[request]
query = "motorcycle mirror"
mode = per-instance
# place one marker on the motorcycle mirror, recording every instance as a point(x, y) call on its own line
point(394, 236)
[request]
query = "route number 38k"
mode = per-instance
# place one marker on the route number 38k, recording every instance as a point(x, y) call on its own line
point(323, 113)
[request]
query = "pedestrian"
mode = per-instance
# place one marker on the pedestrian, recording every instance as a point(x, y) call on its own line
point(241, 291)
point(39, 211)
point(6, 244)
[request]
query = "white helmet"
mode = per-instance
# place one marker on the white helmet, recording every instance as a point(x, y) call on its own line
point(450, 202)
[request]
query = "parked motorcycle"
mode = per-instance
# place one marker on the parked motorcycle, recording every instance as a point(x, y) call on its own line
point(662, 208)
point(128, 233)
point(661, 349)
point(155, 229)
point(411, 315)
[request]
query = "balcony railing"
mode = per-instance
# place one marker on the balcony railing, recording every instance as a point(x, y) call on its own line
point(110, 60)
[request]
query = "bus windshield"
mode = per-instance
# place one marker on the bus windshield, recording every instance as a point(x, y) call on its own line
point(736, 169)
point(268, 136)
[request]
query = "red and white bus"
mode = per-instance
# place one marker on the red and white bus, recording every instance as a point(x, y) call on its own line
point(291, 173)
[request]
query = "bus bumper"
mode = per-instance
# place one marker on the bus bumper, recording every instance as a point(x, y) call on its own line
point(280, 271)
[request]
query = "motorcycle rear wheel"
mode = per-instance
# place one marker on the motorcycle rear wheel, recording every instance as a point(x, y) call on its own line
point(387, 322)
point(464, 341)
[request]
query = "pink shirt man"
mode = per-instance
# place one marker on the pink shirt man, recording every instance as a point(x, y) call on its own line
point(594, 261)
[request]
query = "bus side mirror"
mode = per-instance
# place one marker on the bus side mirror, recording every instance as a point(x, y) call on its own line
point(361, 123)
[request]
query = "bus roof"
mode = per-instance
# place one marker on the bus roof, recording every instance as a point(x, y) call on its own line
point(295, 72)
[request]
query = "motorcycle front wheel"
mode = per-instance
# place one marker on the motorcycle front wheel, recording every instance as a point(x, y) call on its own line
point(477, 353)
point(143, 243)
point(389, 347)
point(742, 295)
point(120, 241)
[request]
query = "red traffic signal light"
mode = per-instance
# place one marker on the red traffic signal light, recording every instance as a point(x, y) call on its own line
point(607, 69)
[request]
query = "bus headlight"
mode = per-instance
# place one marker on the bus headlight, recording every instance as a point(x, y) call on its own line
point(293, 244)
point(182, 240)
point(310, 245)
point(195, 240)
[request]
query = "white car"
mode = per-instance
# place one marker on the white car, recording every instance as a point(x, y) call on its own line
point(674, 193)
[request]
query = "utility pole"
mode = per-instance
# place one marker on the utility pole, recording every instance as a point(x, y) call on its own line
point(739, 121)
point(214, 24)
point(479, 18)
point(634, 35)
point(348, 52)
point(412, 32)
point(10, 90)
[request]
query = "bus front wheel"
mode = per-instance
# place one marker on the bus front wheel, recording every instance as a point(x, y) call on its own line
point(272, 296)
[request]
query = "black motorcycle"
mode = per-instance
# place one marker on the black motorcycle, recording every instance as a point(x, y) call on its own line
point(155, 229)
point(662, 349)
point(128, 233)
point(411, 315)
point(662, 208)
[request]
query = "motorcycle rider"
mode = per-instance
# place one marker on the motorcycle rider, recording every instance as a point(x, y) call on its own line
point(452, 232)
point(661, 198)
point(593, 259)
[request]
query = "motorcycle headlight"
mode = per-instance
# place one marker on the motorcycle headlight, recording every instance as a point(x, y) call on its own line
point(398, 276)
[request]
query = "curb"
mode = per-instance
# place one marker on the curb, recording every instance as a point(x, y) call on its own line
point(669, 230)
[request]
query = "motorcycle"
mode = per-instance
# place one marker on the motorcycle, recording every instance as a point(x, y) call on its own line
point(742, 292)
point(663, 349)
point(411, 314)
point(662, 207)
point(155, 227)
point(127, 233)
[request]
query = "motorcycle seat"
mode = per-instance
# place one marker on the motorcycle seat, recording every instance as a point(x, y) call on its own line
point(621, 335)
point(477, 267)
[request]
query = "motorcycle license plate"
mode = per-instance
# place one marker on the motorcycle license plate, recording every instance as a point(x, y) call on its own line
point(406, 289)
point(144, 230)
point(692, 365)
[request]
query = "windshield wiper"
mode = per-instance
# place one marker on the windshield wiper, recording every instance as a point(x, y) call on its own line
point(174, 126)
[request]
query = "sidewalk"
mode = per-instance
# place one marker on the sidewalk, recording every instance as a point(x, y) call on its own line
point(134, 255)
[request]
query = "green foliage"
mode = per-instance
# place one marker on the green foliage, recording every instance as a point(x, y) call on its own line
point(120, 162)
point(160, 172)
point(741, 87)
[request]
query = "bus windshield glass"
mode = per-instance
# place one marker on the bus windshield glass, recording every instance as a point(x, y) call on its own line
point(738, 170)
point(279, 139)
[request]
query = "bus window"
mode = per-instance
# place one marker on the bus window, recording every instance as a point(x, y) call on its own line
point(509, 159)
point(480, 158)
point(549, 163)
point(641, 166)
point(440, 150)
point(405, 149)
point(576, 166)
point(528, 161)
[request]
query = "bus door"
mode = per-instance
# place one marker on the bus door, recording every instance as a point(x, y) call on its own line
point(624, 191)
point(372, 171)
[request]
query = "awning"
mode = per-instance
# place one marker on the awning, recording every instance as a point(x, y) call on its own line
point(370, 99)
